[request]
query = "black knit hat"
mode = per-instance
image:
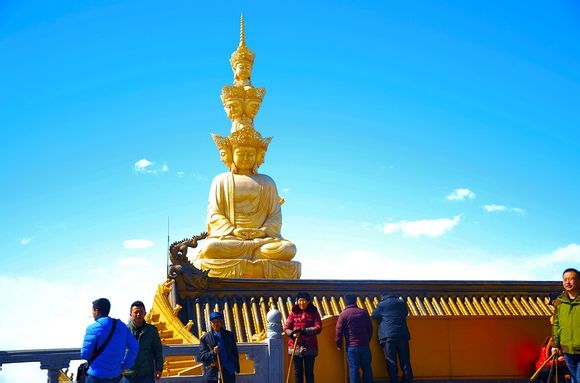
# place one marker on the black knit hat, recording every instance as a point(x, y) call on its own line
point(304, 295)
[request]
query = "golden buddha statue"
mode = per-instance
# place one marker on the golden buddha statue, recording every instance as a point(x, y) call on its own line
point(244, 216)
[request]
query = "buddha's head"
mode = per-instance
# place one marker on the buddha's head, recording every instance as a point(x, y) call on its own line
point(224, 149)
point(248, 150)
point(252, 101)
point(233, 101)
point(242, 60)
point(245, 159)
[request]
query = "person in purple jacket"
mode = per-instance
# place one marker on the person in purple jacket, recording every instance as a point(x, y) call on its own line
point(120, 352)
point(354, 324)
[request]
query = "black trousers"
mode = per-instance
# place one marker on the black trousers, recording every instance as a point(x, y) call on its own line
point(392, 348)
point(304, 368)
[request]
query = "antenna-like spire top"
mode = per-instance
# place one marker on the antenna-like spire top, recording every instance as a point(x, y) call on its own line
point(242, 34)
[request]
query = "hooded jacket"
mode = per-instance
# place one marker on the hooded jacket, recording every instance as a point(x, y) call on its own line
point(566, 327)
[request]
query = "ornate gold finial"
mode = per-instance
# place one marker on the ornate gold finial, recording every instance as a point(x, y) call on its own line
point(242, 35)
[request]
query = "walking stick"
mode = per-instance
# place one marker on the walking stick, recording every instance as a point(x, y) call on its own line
point(219, 363)
point(556, 368)
point(292, 357)
point(542, 366)
point(551, 371)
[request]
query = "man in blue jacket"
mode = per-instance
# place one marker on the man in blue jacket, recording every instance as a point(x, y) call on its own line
point(391, 312)
point(120, 352)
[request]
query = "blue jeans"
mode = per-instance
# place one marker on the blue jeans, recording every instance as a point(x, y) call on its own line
point(393, 347)
point(573, 363)
point(94, 379)
point(359, 358)
point(138, 379)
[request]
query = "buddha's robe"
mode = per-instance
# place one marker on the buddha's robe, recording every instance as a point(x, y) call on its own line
point(245, 201)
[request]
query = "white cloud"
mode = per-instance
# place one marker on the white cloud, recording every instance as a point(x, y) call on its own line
point(137, 244)
point(180, 174)
point(424, 227)
point(461, 194)
point(147, 167)
point(286, 190)
point(25, 241)
point(366, 264)
point(493, 208)
point(142, 164)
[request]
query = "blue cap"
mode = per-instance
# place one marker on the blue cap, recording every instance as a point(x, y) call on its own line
point(215, 315)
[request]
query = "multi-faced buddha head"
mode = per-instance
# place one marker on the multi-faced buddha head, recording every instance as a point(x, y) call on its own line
point(247, 148)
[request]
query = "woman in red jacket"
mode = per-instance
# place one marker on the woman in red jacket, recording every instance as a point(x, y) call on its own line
point(302, 326)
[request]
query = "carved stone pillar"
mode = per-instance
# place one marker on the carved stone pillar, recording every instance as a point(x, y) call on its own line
point(275, 346)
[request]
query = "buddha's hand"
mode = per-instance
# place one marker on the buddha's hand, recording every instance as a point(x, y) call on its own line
point(249, 233)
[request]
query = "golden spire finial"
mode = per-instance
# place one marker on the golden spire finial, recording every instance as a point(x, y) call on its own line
point(242, 35)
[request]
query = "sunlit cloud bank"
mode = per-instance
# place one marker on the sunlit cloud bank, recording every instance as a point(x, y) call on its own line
point(423, 227)
point(147, 167)
point(460, 195)
point(138, 244)
point(365, 264)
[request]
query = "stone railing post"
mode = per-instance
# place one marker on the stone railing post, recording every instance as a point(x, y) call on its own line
point(275, 347)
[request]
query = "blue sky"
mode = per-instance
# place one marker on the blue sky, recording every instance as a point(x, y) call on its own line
point(423, 140)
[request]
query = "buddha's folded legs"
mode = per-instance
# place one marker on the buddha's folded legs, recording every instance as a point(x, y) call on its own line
point(259, 248)
point(216, 248)
point(281, 249)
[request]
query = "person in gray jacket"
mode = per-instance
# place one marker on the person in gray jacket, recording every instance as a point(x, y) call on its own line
point(394, 336)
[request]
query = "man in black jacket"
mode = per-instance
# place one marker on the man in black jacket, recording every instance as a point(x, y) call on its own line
point(391, 312)
point(218, 348)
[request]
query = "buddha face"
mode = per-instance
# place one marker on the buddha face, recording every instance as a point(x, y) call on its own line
point(245, 158)
point(226, 156)
point(242, 70)
point(251, 108)
point(234, 108)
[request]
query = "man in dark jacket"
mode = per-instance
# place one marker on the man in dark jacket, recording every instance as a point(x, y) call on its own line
point(119, 353)
point(219, 352)
point(149, 363)
point(391, 312)
point(354, 324)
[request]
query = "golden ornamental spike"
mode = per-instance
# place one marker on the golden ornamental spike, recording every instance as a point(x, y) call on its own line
point(242, 35)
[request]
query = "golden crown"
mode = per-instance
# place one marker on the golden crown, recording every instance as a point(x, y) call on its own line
point(229, 92)
point(248, 137)
point(221, 141)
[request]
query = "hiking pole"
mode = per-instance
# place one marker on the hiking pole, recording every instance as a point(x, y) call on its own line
point(542, 366)
point(220, 374)
point(551, 371)
point(292, 357)
point(556, 363)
